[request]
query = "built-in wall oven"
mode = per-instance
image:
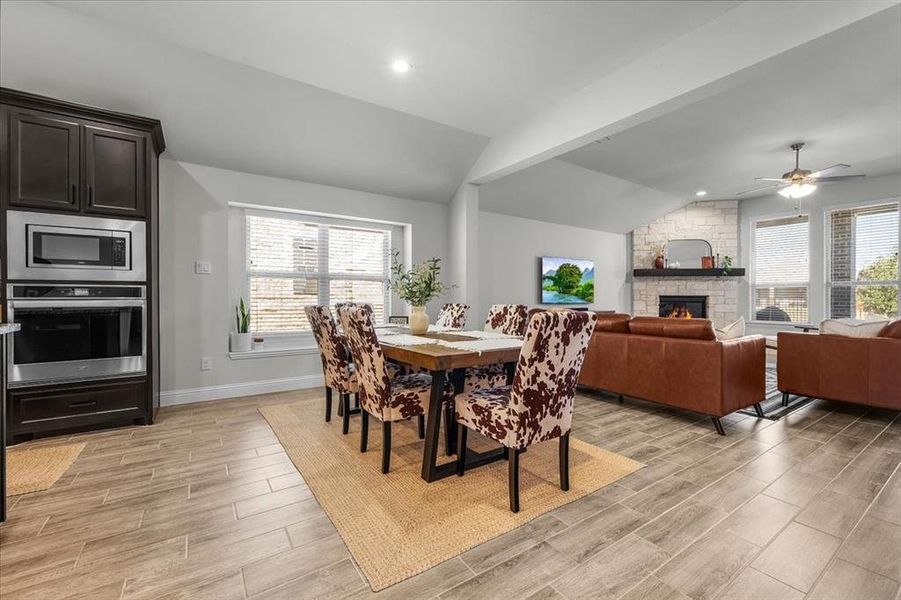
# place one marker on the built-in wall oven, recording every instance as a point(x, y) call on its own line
point(55, 247)
point(76, 332)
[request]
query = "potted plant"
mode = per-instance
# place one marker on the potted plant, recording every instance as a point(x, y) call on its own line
point(416, 287)
point(241, 339)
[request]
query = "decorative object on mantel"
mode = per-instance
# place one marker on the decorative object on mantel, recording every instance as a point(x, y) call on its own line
point(241, 339)
point(707, 262)
point(659, 259)
point(727, 265)
point(686, 254)
point(416, 287)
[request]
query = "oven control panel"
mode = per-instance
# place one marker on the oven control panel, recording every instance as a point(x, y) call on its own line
point(77, 291)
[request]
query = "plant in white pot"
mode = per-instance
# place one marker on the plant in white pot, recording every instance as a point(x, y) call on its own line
point(416, 287)
point(241, 340)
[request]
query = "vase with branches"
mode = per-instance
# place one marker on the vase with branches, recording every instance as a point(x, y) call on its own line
point(416, 286)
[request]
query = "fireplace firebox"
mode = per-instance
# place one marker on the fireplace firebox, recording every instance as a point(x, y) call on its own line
point(683, 307)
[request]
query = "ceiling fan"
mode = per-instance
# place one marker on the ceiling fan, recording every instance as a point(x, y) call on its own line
point(799, 182)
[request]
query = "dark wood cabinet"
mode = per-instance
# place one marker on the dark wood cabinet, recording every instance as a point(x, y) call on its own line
point(34, 410)
point(57, 156)
point(115, 171)
point(44, 166)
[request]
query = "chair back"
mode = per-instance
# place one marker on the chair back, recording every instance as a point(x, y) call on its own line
point(338, 306)
point(335, 355)
point(452, 315)
point(544, 385)
point(369, 360)
point(507, 318)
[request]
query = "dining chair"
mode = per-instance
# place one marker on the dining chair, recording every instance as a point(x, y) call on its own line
point(539, 405)
point(509, 319)
point(452, 316)
point(336, 366)
point(381, 396)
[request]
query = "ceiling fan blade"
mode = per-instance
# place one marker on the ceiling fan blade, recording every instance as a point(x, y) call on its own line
point(760, 189)
point(827, 170)
point(836, 178)
point(769, 179)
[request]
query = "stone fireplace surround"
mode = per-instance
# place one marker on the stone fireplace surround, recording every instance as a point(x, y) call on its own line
point(715, 221)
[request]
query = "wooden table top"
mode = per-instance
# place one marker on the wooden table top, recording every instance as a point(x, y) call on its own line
point(436, 357)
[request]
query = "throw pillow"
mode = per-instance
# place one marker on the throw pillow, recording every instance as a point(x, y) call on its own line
point(732, 330)
point(856, 328)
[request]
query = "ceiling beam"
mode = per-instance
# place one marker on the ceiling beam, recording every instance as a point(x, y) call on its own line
point(716, 56)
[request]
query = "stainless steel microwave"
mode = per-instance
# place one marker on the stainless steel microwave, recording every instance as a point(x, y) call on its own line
point(49, 246)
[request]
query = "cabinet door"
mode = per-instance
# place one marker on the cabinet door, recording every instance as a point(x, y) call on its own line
point(115, 172)
point(43, 161)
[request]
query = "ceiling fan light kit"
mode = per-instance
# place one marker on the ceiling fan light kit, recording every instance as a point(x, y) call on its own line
point(799, 182)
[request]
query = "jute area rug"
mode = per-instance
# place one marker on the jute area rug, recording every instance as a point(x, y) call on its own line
point(35, 469)
point(397, 525)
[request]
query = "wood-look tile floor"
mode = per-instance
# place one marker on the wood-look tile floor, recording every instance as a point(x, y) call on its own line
point(205, 504)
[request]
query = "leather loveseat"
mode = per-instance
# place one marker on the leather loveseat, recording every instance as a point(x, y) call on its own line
point(677, 362)
point(833, 367)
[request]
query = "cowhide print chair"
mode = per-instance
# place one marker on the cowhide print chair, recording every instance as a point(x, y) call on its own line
point(539, 405)
point(452, 316)
point(336, 365)
point(385, 398)
point(509, 319)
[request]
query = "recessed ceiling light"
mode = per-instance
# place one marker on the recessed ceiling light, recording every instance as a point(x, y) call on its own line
point(401, 66)
point(700, 193)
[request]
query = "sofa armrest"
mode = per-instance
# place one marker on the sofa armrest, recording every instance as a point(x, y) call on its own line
point(744, 372)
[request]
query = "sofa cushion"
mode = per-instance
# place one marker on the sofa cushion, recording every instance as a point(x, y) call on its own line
point(612, 322)
point(732, 330)
point(696, 329)
point(856, 328)
point(892, 330)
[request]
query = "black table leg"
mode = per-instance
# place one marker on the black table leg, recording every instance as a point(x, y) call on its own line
point(510, 368)
point(433, 425)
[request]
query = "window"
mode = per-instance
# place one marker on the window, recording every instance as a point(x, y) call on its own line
point(293, 263)
point(863, 279)
point(781, 269)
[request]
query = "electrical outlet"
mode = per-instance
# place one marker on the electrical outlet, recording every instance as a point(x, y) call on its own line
point(202, 267)
point(206, 363)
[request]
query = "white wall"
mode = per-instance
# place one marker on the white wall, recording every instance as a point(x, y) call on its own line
point(871, 190)
point(197, 310)
point(510, 249)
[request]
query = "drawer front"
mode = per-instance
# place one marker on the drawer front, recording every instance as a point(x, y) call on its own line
point(117, 399)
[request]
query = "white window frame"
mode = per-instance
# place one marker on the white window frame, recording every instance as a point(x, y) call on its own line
point(323, 276)
point(828, 284)
point(752, 268)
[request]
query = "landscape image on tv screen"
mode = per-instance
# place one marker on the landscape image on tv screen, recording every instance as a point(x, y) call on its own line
point(566, 280)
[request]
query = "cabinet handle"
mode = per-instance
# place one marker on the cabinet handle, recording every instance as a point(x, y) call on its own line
point(82, 404)
point(74, 191)
point(90, 195)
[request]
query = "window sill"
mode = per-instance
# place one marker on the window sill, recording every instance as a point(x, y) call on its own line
point(271, 352)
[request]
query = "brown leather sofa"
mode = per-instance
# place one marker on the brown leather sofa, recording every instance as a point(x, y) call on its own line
point(833, 367)
point(677, 362)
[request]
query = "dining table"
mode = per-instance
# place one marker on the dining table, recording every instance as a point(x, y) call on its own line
point(434, 352)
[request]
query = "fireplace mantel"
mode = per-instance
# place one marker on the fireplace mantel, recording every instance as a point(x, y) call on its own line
point(734, 272)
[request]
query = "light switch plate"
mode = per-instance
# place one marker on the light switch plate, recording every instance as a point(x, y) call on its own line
point(206, 363)
point(202, 267)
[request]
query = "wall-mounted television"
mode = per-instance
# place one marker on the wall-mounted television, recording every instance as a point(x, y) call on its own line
point(566, 280)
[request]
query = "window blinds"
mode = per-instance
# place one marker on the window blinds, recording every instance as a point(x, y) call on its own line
point(292, 264)
point(781, 269)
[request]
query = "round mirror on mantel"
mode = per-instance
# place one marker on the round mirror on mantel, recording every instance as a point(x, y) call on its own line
point(686, 254)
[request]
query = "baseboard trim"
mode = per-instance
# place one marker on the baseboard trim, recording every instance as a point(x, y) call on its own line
point(236, 390)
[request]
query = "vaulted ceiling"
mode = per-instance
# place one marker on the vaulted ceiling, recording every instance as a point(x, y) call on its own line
point(512, 95)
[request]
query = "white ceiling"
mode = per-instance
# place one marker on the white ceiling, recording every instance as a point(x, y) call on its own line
point(219, 113)
point(479, 66)
point(841, 94)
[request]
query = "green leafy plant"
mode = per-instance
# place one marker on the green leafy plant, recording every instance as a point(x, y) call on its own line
point(727, 264)
point(418, 284)
point(242, 317)
point(877, 299)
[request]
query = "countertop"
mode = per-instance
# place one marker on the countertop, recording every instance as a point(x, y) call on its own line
point(6, 328)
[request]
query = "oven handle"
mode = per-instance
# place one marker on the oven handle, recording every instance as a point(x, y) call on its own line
point(106, 303)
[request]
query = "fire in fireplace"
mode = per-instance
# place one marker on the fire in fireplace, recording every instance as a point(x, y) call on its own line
point(683, 307)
